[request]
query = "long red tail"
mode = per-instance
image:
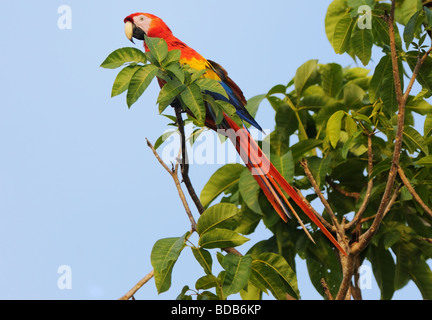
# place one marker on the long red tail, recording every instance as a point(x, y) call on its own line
point(271, 181)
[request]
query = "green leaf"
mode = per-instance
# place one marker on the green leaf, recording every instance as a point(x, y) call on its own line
point(172, 56)
point(412, 27)
point(383, 267)
point(163, 256)
point(207, 84)
point(163, 138)
point(320, 167)
point(285, 165)
point(352, 95)
point(238, 269)
point(177, 71)
point(342, 33)
point(279, 265)
point(193, 100)
point(424, 76)
point(355, 4)
point(335, 11)
point(251, 293)
point(221, 238)
point(168, 93)
point(322, 263)
point(206, 282)
point(264, 277)
point(204, 258)
point(141, 79)
point(381, 32)
point(123, 55)
point(421, 274)
point(221, 215)
point(382, 71)
point(382, 166)
point(253, 104)
point(332, 79)
point(405, 9)
point(285, 117)
point(428, 13)
point(220, 181)
point(405, 258)
point(121, 82)
point(303, 74)
point(413, 140)
point(333, 128)
point(302, 147)
point(425, 161)
point(158, 48)
point(362, 42)
point(427, 127)
point(249, 189)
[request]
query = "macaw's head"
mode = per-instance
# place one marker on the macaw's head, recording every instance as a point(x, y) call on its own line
point(139, 24)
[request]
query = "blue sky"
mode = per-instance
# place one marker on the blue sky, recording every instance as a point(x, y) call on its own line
point(78, 186)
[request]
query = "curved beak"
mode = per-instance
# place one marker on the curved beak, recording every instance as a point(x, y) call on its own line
point(129, 30)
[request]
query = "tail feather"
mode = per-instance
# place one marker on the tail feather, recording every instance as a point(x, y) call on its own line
point(271, 181)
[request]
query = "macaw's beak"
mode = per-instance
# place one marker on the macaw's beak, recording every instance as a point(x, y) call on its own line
point(132, 31)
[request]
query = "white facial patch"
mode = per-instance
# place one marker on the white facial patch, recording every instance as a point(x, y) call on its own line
point(143, 22)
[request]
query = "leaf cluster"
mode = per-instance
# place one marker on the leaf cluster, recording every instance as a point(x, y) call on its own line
point(179, 83)
point(248, 275)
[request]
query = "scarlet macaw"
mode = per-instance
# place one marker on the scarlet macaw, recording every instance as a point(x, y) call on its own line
point(272, 183)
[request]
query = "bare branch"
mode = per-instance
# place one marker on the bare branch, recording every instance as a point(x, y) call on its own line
point(317, 190)
point(173, 174)
point(335, 186)
point(416, 70)
point(401, 100)
point(185, 162)
point(413, 192)
point(138, 286)
point(323, 221)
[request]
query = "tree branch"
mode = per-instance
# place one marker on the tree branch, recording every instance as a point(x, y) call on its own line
point(138, 286)
point(401, 101)
point(326, 289)
point(185, 162)
point(335, 186)
point(413, 192)
point(317, 190)
point(174, 175)
point(323, 221)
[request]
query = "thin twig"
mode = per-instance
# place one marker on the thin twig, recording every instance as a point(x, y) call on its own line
point(174, 175)
point(416, 70)
point(323, 221)
point(338, 188)
point(317, 190)
point(185, 162)
point(413, 192)
point(138, 286)
point(356, 248)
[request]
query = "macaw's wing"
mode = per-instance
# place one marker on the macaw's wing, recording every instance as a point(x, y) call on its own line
point(236, 97)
